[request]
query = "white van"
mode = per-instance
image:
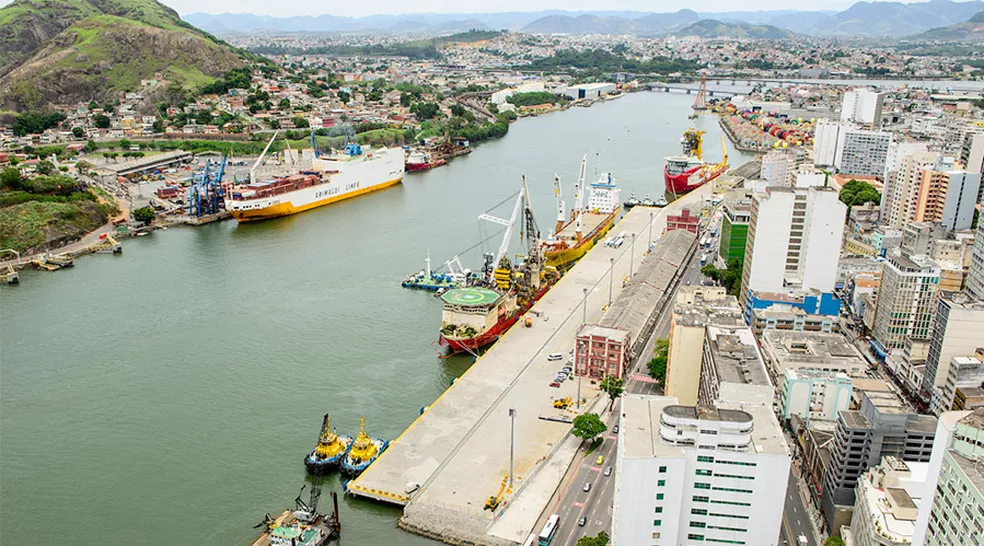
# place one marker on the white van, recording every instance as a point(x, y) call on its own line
point(554, 356)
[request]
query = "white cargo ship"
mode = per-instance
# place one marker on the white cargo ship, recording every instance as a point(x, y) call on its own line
point(331, 178)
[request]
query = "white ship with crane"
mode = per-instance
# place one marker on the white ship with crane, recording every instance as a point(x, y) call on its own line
point(349, 173)
point(574, 237)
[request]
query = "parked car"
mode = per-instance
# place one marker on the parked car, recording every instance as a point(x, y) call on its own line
point(554, 356)
point(608, 471)
point(615, 429)
point(555, 384)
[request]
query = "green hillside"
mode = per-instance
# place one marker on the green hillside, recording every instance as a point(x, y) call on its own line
point(710, 28)
point(64, 51)
point(971, 30)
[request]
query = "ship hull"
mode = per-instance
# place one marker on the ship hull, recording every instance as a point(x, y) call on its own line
point(490, 336)
point(564, 259)
point(415, 167)
point(322, 466)
point(691, 179)
point(287, 207)
point(353, 469)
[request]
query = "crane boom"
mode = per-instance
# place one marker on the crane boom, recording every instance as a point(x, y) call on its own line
point(510, 225)
point(580, 196)
point(252, 170)
point(559, 194)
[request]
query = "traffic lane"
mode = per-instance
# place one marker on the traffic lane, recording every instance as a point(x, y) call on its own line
point(577, 503)
point(795, 519)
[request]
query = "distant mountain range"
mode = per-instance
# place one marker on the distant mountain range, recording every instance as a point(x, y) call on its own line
point(864, 19)
point(968, 31)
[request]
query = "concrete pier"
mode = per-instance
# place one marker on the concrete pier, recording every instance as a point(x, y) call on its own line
point(455, 455)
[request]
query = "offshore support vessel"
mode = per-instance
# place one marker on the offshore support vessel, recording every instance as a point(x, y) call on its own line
point(330, 450)
point(689, 171)
point(474, 317)
point(363, 452)
point(349, 173)
point(303, 526)
point(574, 237)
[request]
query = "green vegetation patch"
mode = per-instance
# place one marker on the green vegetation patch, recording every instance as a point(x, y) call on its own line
point(32, 225)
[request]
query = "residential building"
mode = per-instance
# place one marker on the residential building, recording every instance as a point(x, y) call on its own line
point(794, 239)
point(697, 475)
point(883, 426)
point(786, 350)
point(956, 517)
point(958, 321)
point(825, 138)
point(813, 394)
point(975, 273)
point(901, 194)
point(863, 106)
point(887, 502)
point(906, 299)
point(942, 440)
point(778, 167)
point(685, 220)
point(946, 197)
point(600, 351)
point(737, 209)
point(862, 152)
point(696, 307)
point(968, 398)
point(966, 373)
point(787, 317)
point(730, 355)
point(812, 302)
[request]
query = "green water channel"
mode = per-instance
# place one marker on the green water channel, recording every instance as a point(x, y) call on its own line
point(169, 395)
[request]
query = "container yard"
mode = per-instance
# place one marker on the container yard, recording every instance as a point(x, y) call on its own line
point(754, 131)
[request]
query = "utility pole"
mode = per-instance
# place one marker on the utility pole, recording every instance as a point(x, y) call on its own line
point(512, 443)
point(584, 320)
point(611, 279)
point(631, 255)
point(650, 241)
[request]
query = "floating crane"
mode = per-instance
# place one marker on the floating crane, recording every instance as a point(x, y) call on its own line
point(510, 225)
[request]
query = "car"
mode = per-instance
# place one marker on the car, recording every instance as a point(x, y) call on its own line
point(600, 459)
point(615, 429)
point(608, 471)
point(587, 487)
point(554, 356)
point(555, 384)
point(582, 521)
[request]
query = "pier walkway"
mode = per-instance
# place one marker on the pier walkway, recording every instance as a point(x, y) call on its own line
point(454, 456)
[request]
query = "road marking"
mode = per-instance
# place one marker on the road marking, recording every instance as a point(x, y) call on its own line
point(578, 504)
point(594, 468)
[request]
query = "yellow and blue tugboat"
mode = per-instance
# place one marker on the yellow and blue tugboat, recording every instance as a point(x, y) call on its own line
point(363, 452)
point(330, 450)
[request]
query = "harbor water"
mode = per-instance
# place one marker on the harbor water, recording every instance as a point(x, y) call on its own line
point(169, 395)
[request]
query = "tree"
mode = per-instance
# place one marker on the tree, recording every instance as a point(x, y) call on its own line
point(144, 215)
point(101, 121)
point(657, 365)
point(834, 541)
point(90, 146)
point(78, 132)
point(344, 96)
point(457, 110)
point(10, 178)
point(125, 144)
point(83, 167)
point(427, 110)
point(600, 540)
point(587, 426)
point(406, 99)
point(301, 123)
point(612, 386)
point(45, 167)
point(857, 192)
point(284, 104)
point(158, 126)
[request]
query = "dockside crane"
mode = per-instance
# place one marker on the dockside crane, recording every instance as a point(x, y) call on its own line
point(252, 170)
point(579, 198)
point(561, 206)
point(510, 226)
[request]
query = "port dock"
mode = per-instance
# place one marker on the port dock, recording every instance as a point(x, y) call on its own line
point(450, 460)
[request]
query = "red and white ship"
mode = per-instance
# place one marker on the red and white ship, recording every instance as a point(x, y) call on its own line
point(421, 161)
point(688, 171)
point(476, 316)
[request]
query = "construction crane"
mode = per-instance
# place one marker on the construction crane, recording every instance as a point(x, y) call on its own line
point(252, 170)
point(579, 198)
point(700, 101)
point(510, 225)
point(561, 212)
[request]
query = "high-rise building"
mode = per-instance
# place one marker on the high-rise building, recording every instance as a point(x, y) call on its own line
point(734, 225)
point(862, 152)
point(906, 299)
point(972, 157)
point(956, 327)
point(956, 516)
point(882, 426)
point(778, 168)
point(946, 197)
point(886, 504)
point(814, 394)
point(966, 373)
point(901, 192)
point(826, 135)
point(975, 273)
point(794, 240)
point(863, 106)
point(694, 475)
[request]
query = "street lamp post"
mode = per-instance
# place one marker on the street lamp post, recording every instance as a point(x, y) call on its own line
point(631, 255)
point(512, 443)
point(611, 278)
point(584, 320)
point(650, 241)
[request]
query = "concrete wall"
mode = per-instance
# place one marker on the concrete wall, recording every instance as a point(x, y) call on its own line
point(822, 236)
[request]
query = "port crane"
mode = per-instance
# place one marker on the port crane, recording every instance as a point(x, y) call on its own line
point(252, 170)
point(206, 194)
point(510, 226)
point(579, 198)
point(561, 206)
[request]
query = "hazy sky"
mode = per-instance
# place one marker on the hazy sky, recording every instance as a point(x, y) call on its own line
point(356, 9)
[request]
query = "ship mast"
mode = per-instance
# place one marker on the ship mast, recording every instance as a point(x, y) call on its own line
point(561, 213)
point(579, 198)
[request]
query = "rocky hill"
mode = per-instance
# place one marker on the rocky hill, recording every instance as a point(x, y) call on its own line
point(895, 18)
point(971, 30)
point(709, 28)
point(65, 51)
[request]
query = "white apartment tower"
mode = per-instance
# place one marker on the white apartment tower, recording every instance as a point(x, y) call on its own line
point(778, 167)
point(826, 135)
point(863, 106)
point(862, 152)
point(794, 239)
point(906, 300)
point(975, 275)
point(698, 475)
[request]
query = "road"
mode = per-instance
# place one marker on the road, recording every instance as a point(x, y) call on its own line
point(795, 518)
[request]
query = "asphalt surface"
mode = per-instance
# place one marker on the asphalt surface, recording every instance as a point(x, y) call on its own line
point(795, 518)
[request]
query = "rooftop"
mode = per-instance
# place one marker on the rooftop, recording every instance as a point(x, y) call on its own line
point(470, 296)
point(803, 349)
point(601, 331)
point(735, 355)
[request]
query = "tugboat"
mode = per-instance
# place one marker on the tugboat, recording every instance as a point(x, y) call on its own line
point(330, 450)
point(364, 451)
point(303, 526)
point(422, 161)
point(631, 202)
point(662, 202)
point(648, 202)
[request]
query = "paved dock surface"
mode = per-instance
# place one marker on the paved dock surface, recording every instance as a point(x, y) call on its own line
point(457, 452)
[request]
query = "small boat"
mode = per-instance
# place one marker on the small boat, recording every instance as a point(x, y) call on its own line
point(330, 450)
point(648, 202)
point(662, 202)
point(631, 202)
point(303, 526)
point(692, 116)
point(363, 452)
point(427, 279)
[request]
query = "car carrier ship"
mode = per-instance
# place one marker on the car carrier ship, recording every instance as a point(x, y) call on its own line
point(349, 173)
